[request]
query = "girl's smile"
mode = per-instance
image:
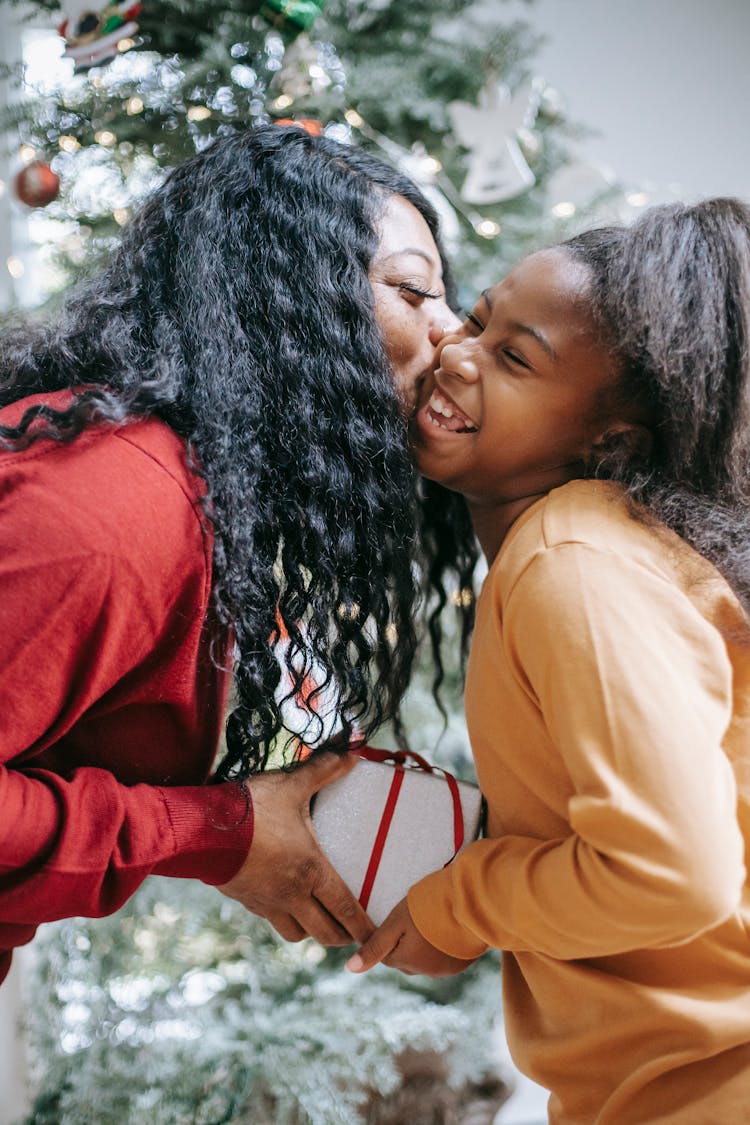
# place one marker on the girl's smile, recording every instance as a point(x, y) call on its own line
point(441, 411)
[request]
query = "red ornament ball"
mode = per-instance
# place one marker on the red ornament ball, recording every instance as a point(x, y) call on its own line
point(309, 124)
point(36, 185)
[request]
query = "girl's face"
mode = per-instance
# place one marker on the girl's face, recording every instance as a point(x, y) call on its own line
point(407, 282)
point(518, 395)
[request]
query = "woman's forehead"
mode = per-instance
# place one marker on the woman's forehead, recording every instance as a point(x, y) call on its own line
point(402, 230)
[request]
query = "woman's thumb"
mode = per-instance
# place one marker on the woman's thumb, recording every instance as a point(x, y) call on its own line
point(323, 768)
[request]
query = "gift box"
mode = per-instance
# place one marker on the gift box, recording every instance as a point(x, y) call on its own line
point(390, 821)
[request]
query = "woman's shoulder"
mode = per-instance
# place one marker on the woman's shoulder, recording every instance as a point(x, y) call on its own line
point(106, 451)
point(122, 491)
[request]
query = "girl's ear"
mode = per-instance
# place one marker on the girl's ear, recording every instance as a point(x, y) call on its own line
point(621, 444)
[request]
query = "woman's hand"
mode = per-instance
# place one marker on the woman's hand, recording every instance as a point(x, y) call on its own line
point(398, 943)
point(286, 878)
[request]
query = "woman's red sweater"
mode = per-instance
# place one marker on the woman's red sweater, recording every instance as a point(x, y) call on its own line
point(110, 704)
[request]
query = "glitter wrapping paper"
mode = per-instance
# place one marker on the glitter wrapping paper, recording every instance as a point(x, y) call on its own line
point(347, 817)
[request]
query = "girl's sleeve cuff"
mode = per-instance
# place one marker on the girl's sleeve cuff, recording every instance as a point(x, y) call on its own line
point(430, 903)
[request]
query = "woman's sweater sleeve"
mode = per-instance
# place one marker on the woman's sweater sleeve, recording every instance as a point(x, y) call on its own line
point(635, 689)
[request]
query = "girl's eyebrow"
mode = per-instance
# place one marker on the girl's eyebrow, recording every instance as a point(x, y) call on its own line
point(528, 329)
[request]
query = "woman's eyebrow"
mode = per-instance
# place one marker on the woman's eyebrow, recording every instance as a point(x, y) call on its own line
point(529, 330)
point(410, 250)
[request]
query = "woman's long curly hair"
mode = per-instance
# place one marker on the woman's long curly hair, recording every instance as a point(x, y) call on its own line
point(671, 296)
point(238, 309)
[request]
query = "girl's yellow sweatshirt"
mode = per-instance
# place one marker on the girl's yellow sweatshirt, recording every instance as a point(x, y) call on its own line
point(608, 704)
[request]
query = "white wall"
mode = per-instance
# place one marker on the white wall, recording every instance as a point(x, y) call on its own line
point(666, 83)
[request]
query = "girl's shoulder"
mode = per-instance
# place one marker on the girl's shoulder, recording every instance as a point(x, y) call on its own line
point(590, 533)
point(592, 512)
point(588, 517)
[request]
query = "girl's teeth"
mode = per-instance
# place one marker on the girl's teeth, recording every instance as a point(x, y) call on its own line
point(441, 408)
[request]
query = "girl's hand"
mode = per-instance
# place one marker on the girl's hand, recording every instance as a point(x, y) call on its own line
point(398, 943)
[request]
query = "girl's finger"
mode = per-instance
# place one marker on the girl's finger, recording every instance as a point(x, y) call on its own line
point(375, 949)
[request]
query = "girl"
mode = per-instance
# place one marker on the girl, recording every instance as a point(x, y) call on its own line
point(594, 411)
point(207, 449)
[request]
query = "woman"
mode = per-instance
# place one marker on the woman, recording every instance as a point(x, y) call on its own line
point(207, 454)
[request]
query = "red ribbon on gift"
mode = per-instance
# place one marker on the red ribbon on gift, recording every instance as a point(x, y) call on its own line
point(402, 759)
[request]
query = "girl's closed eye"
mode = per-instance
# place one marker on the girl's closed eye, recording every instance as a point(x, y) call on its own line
point(514, 357)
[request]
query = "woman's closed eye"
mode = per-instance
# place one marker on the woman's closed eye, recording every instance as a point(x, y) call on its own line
point(473, 319)
point(416, 290)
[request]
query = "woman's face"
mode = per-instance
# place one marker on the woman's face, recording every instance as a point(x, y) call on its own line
point(407, 281)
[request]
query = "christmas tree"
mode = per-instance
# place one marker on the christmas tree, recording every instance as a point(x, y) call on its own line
point(443, 88)
point(183, 1008)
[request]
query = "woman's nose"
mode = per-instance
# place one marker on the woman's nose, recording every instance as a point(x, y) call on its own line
point(443, 323)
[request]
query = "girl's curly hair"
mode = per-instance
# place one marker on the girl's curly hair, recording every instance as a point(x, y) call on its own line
point(237, 308)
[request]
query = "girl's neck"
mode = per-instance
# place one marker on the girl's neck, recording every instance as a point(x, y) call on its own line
point(492, 522)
